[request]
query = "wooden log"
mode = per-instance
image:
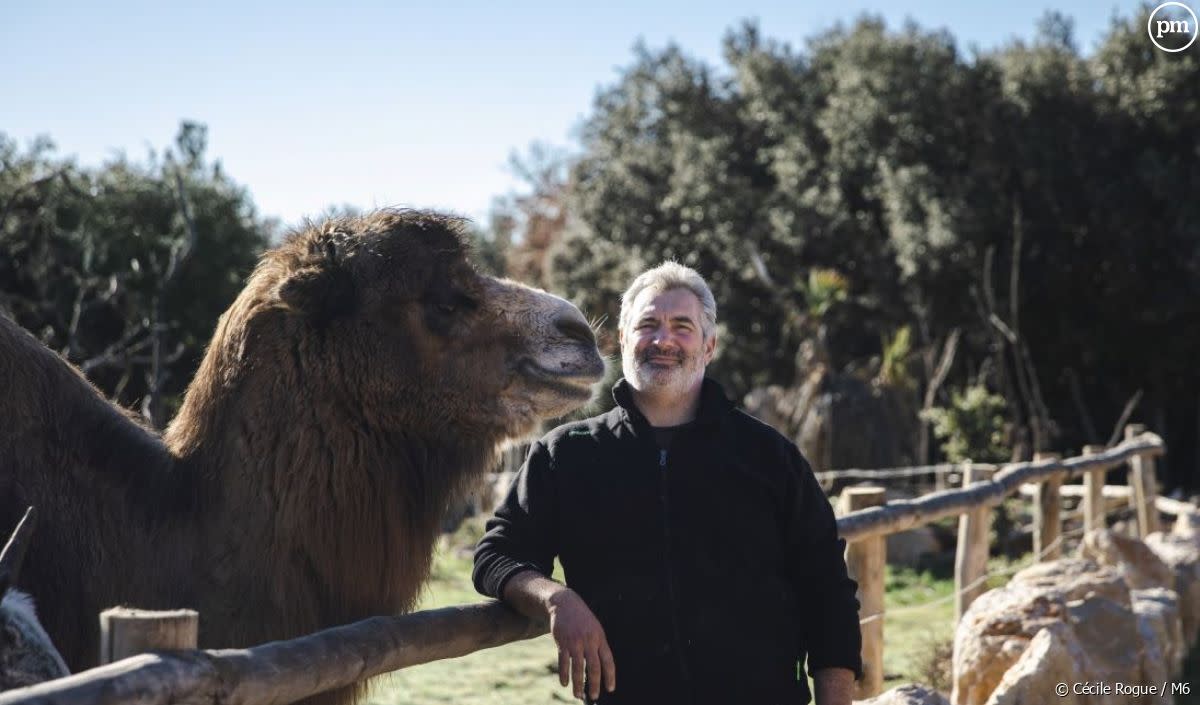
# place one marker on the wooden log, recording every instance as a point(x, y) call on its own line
point(866, 560)
point(126, 632)
point(903, 514)
point(971, 554)
point(1144, 486)
point(1047, 511)
point(1118, 496)
point(1093, 496)
point(286, 671)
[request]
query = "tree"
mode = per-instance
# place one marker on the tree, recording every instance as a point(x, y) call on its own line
point(125, 268)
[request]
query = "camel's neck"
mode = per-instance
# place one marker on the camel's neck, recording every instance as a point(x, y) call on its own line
point(329, 498)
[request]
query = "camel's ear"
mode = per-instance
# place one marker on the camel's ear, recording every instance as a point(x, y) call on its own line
point(322, 292)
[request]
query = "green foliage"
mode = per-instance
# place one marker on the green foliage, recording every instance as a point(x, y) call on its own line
point(972, 427)
point(899, 161)
point(88, 256)
point(893, 367)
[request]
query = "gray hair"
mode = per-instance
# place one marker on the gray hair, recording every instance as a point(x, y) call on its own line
point(672, 275)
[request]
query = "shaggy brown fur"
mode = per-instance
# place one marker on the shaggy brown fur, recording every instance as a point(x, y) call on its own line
point(363, 375)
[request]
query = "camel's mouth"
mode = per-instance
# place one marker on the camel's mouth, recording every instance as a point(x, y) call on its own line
point(570, 382)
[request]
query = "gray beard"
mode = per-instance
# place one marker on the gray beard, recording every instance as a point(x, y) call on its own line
point(672, 381)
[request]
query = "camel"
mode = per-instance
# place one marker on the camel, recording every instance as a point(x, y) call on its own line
point(364, 375)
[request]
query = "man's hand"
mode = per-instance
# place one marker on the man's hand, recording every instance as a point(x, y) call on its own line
point(833, 686)
point(582, 647)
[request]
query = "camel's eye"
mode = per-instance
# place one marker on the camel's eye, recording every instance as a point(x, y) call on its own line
point(445, 309)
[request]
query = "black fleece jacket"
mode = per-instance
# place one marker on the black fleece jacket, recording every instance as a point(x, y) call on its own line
point(714, 568)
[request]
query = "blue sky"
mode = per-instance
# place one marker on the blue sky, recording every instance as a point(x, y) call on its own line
point(373, 104)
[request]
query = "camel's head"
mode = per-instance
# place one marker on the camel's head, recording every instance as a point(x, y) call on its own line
point(385, 314)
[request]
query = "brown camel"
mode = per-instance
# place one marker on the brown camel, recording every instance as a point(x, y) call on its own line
point(365, 374)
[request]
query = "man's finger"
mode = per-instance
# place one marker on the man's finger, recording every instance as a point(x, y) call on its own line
point(610, 667)
point(593, 674)
point(577, 673)
point(564, 667)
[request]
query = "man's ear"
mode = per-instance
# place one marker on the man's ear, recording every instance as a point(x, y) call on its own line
point(321, 292)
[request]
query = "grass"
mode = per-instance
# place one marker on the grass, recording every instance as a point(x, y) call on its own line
point(525, 672)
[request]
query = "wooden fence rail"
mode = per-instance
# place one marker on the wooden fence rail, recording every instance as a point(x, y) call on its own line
point(286, 671)
point(865, 530)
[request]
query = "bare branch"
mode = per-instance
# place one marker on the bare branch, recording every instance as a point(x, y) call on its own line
point(1118, 428)
point(943, 368)
point(120, 351)
point(1007, 332)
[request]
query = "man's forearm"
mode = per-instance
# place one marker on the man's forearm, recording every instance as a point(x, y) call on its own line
point(833, 686)
point(531, 593)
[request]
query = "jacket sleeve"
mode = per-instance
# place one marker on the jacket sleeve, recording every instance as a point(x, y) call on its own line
point(826, 593)
point(521, 534)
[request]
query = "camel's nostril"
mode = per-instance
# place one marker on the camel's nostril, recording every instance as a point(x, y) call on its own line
point(575, 328)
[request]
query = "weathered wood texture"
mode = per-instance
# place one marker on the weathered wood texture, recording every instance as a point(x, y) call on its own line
point(1093, 495)
point(1144, 485)
point(126, 632)
point(903, 514)
point(971, 554)
point(285, 671)
point(1047, 513)
point(1118, 496)
point(866, 560)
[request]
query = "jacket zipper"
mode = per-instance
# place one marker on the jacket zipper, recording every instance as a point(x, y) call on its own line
point(673, 607)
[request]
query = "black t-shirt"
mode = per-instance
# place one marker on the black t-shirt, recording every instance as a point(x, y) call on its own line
point(663, 435)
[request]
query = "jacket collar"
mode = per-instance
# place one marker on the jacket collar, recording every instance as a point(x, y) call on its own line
point(714, 404)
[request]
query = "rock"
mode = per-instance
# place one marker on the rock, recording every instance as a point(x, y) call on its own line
point(1187, 524)
point(907, 547)
point(1138, 563)
point(1054, 656)
point(1000, 625)
point(1110, 631)
point(1157, 612)
point(1075, 579)
point(992, 635)
point(907, 695)
point(1181, 553)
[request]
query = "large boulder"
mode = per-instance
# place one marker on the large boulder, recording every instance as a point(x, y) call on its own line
point(1074, 579)
point(1180, 551)
point(1000, 625)
point(1114, 646)
point(907, 695)
point(1138, 564)
point(1055, 655)
point(1161, 632)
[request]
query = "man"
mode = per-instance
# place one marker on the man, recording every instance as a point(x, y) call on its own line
point(701, 558)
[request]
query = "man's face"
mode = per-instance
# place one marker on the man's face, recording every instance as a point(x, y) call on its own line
point(663, 349)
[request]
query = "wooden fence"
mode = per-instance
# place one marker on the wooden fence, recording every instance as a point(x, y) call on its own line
point(286, 671)
point(867, 520)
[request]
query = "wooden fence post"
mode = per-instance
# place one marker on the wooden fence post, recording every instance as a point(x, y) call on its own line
point(971, 554)
point(1143, 486)
point(126, 632)
point(1047, 513)
point(1093, 493)
point(866, 560)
